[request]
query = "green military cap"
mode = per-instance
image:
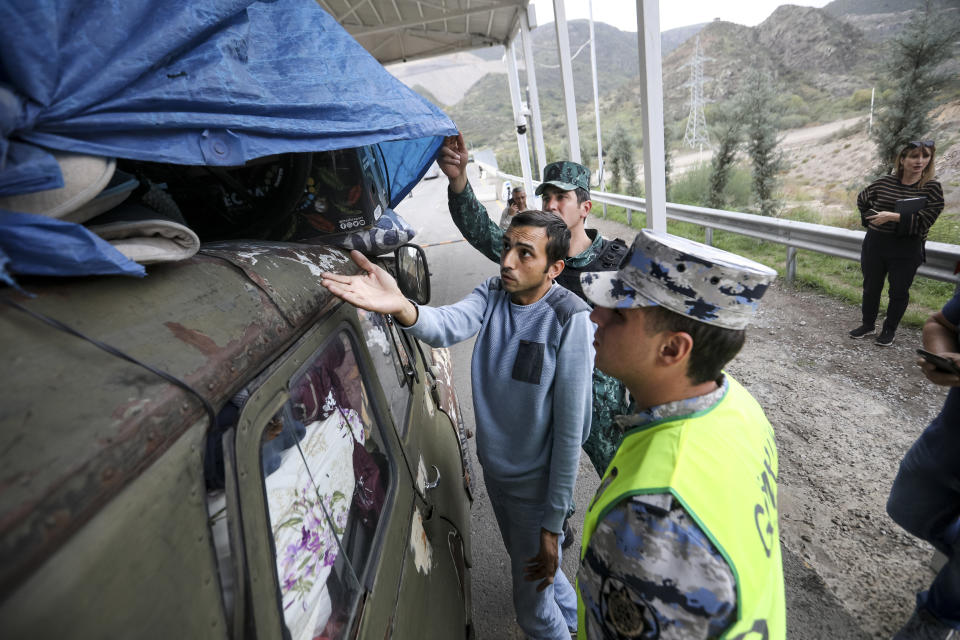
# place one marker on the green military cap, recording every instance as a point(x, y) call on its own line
point(565, 175)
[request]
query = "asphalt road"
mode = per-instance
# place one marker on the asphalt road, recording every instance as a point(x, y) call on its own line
point(456, 268)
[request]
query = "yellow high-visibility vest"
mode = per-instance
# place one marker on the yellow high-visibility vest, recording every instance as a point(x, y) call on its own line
point(721, 464)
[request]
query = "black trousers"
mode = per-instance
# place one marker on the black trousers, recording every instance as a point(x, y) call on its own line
point(886, 255)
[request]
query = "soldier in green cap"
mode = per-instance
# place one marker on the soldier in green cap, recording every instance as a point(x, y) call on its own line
point(566, 192)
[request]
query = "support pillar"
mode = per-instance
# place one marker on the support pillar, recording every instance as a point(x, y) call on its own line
point(566, 75)
point(651, 107)
point(596, 108)
point(518, 119)
point(534, 98)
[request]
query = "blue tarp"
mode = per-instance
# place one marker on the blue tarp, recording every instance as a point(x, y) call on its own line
point(218, 82)
point(27, 247)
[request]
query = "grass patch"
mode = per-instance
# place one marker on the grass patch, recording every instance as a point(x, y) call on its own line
point(946, 229)
point(835, 277)
point(693, 187)
point(801, 214)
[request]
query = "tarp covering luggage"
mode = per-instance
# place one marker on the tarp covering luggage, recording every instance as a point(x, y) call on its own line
point(212, 83)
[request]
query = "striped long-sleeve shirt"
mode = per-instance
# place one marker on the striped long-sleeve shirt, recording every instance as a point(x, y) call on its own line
point(882, 196)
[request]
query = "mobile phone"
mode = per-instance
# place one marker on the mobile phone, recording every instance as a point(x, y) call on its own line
point(944, 364)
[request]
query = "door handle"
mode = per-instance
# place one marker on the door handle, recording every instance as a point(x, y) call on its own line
point(432, 484)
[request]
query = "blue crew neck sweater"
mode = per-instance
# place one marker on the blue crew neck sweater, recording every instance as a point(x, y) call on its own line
point(531, 376)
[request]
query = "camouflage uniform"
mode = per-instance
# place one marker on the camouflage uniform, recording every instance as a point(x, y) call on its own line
point(609, 396)
point(649, 569)
point(649, 566)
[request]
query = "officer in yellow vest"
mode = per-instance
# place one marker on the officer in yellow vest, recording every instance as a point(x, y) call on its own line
point(681, 539)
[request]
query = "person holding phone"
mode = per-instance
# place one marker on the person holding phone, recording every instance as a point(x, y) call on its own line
point(893, 246)
point(925, 497)
point(516, 204)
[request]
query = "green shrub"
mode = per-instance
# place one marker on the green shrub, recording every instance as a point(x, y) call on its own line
point(801, 214)
point(794, 121)
point(860, 99)
point(693, 187)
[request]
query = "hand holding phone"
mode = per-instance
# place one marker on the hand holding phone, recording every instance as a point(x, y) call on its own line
point(943, 364)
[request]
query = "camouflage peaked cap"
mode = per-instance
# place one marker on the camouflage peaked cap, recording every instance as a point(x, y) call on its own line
point(565, 175)
point(695, 280)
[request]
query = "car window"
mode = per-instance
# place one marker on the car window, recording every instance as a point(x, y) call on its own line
point(326, 476)
point(390, 360)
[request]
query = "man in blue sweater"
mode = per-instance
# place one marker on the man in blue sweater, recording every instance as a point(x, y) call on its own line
point(531, 375)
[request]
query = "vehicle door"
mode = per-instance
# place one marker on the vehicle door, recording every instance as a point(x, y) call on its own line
point(432, 448)
point(329, 510)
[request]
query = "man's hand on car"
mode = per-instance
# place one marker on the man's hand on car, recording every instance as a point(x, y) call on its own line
point(452, 160)
point(376, 290)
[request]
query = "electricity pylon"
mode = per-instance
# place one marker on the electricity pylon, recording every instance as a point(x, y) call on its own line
point(696, 134)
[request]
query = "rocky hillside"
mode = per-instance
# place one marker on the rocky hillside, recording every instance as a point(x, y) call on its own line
point(813, 55)
point(819, 57)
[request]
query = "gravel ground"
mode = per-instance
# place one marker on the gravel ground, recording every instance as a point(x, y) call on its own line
point(844, 411)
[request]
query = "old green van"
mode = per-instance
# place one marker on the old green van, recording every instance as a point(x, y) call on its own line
point(225, 450)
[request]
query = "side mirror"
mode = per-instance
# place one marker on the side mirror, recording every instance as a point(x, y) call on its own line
point(412, 275)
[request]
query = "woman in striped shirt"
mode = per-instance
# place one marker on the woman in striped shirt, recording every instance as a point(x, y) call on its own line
point(893, 246)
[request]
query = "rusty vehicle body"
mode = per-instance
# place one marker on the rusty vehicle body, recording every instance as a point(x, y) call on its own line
point(109, 524)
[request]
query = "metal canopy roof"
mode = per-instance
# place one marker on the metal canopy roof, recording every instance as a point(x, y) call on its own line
point(402, 30)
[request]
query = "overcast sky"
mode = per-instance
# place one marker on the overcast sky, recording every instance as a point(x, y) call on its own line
point(673, 13)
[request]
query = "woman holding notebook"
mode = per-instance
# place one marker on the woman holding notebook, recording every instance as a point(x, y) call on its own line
point(898, 211)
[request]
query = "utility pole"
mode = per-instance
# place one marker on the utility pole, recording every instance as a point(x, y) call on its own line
point(696, 134)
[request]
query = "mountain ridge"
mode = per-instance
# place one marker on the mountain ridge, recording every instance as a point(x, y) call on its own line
point(822, 63)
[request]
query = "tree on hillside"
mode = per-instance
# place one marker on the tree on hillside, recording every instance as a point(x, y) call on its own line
point(912, 79)
point(622, 165)
point(554, 153)
point(761, 119)
point(726, 131)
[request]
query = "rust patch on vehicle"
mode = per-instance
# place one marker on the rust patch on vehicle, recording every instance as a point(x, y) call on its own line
point(203, 343)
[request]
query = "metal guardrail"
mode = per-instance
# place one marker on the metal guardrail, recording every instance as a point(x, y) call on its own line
point(943, 260)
